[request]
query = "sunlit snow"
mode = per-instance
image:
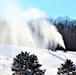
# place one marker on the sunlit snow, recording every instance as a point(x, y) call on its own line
point(50, 60)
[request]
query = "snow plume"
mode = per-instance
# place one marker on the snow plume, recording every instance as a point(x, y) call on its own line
point(41, 33)
point(16, 31)
point(46, 35)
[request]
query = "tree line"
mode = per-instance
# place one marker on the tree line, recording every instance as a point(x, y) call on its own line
point(67, 28)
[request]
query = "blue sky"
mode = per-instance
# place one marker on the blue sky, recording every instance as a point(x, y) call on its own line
point(52, 8)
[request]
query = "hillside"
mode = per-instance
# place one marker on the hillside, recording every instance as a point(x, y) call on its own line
point(50, 60)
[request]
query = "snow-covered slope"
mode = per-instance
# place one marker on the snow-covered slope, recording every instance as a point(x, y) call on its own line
point(50, 60)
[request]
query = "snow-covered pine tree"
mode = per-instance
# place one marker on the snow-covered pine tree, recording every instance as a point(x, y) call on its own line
point(26, 64)
point(68, 68)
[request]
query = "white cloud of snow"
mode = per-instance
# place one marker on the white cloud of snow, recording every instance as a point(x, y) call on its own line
point(11, 10)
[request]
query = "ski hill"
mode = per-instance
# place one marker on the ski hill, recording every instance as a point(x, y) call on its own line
point(50, 60)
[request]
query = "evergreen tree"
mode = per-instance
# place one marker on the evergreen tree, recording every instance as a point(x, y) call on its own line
point(26, 64)
point(68, 68)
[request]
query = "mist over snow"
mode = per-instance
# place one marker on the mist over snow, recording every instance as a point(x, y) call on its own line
point(16, 31)
point(39, 34)
point(45, 34)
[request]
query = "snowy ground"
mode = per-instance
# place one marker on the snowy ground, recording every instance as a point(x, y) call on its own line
point(50, 60)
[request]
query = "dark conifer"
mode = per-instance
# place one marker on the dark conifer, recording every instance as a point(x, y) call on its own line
point(68, 68)
point(26, 64)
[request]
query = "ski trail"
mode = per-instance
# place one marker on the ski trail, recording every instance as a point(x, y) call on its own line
point(56, 56)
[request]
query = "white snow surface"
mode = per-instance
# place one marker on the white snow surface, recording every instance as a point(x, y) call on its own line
point(50, 60)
